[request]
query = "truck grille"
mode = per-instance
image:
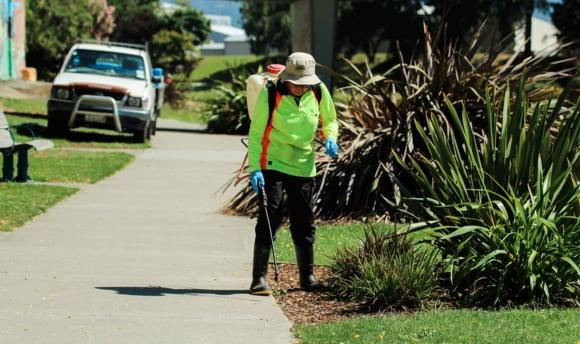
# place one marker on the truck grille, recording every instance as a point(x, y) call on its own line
point(98, 92)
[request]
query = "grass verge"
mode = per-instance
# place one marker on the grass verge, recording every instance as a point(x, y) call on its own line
point(328, 239)
point(212, 64)
point(36, 106)
point(63, 166)
point(20, 203)
point(192, 112)
point(454, 326)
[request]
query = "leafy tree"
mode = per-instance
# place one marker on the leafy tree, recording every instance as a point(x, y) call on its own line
point(136, 20)
point(268, 24)
point(187, 20)
point(52, 27)
point(174, 51)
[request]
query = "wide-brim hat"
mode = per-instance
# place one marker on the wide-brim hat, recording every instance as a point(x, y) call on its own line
point(300, 70)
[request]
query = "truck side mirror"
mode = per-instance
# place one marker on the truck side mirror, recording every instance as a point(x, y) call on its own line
point(157, 75)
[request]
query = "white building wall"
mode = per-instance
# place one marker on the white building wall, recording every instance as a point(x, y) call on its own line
point(544, 36)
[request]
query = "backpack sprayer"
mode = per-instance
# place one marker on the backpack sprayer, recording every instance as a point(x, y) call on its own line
point(254, 85)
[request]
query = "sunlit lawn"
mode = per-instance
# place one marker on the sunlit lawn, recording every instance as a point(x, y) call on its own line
point(192, 112)
point(212, 64)
point(64, 166)
point(524, 326)
point(329, 238)
point(21, 202)
point(35, 106)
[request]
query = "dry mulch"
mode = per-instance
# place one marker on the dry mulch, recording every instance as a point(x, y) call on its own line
point(309, 307)
point(321, 306)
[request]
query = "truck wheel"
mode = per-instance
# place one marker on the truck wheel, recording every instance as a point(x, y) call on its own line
point(149, 131)
point(141, 136)
point(154, 126)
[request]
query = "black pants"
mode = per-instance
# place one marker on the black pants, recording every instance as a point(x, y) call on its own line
point(300, 192)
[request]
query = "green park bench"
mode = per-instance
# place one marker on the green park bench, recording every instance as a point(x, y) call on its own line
point(9, 147)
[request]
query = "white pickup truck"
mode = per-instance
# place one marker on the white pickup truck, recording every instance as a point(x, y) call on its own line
point(108, 86)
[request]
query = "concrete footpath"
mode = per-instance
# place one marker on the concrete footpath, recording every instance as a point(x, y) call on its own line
point(141, 257)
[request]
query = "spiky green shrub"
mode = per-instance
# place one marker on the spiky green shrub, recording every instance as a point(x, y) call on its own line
point(506, 199)
point(228, 112)
point(386, 271)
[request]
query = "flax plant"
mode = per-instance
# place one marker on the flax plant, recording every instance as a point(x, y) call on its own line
point(506, 199)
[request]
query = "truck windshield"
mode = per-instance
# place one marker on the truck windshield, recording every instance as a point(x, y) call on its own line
point(106, 63)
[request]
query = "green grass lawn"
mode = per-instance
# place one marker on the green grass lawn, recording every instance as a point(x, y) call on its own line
point(328, 239)
point(212, 64)
point(187, 114)
point(192, 112)
point(20, 203)
point(80, 137)
point(36, 106)
point(64, 166)
point(453, 326)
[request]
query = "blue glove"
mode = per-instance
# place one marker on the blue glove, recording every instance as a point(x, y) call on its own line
point(257, 179)
point(331, 148)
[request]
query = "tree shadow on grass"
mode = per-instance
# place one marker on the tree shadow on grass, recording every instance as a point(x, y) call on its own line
point(161, 291)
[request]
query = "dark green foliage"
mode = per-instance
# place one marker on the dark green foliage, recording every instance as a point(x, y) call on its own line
point(52, 27)
point(269, 25)
point(386, 271)
point(187, 20)
point(459, 19)
point(136, 21)
point(175, 51)
point(174, 46)
point(506, 199)
point(228, 112)
point(566, 18)
point(365, 25)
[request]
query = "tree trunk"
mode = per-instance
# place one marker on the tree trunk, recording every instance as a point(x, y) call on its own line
point(529, 12)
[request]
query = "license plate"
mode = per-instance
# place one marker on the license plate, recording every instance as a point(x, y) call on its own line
point(95, 118)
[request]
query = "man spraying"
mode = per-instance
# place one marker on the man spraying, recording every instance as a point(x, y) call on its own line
point(282, 159)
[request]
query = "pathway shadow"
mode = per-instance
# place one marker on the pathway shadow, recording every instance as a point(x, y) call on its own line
point(161, 291)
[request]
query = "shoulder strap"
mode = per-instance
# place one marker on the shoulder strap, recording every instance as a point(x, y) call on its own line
point(271, 98)
point(317, 92)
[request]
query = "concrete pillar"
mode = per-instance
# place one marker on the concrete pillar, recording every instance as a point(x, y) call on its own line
point(313, 32)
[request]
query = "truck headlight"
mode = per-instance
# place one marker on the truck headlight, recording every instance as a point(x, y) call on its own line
point(134, 101)
point(61, 93)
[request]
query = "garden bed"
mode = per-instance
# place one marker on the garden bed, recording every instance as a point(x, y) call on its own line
point(309, 307)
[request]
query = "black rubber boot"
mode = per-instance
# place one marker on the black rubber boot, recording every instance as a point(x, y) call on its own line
point(305, 259)
point(259, 284)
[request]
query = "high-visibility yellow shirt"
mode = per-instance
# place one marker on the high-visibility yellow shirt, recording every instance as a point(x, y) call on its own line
point(286, 142)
